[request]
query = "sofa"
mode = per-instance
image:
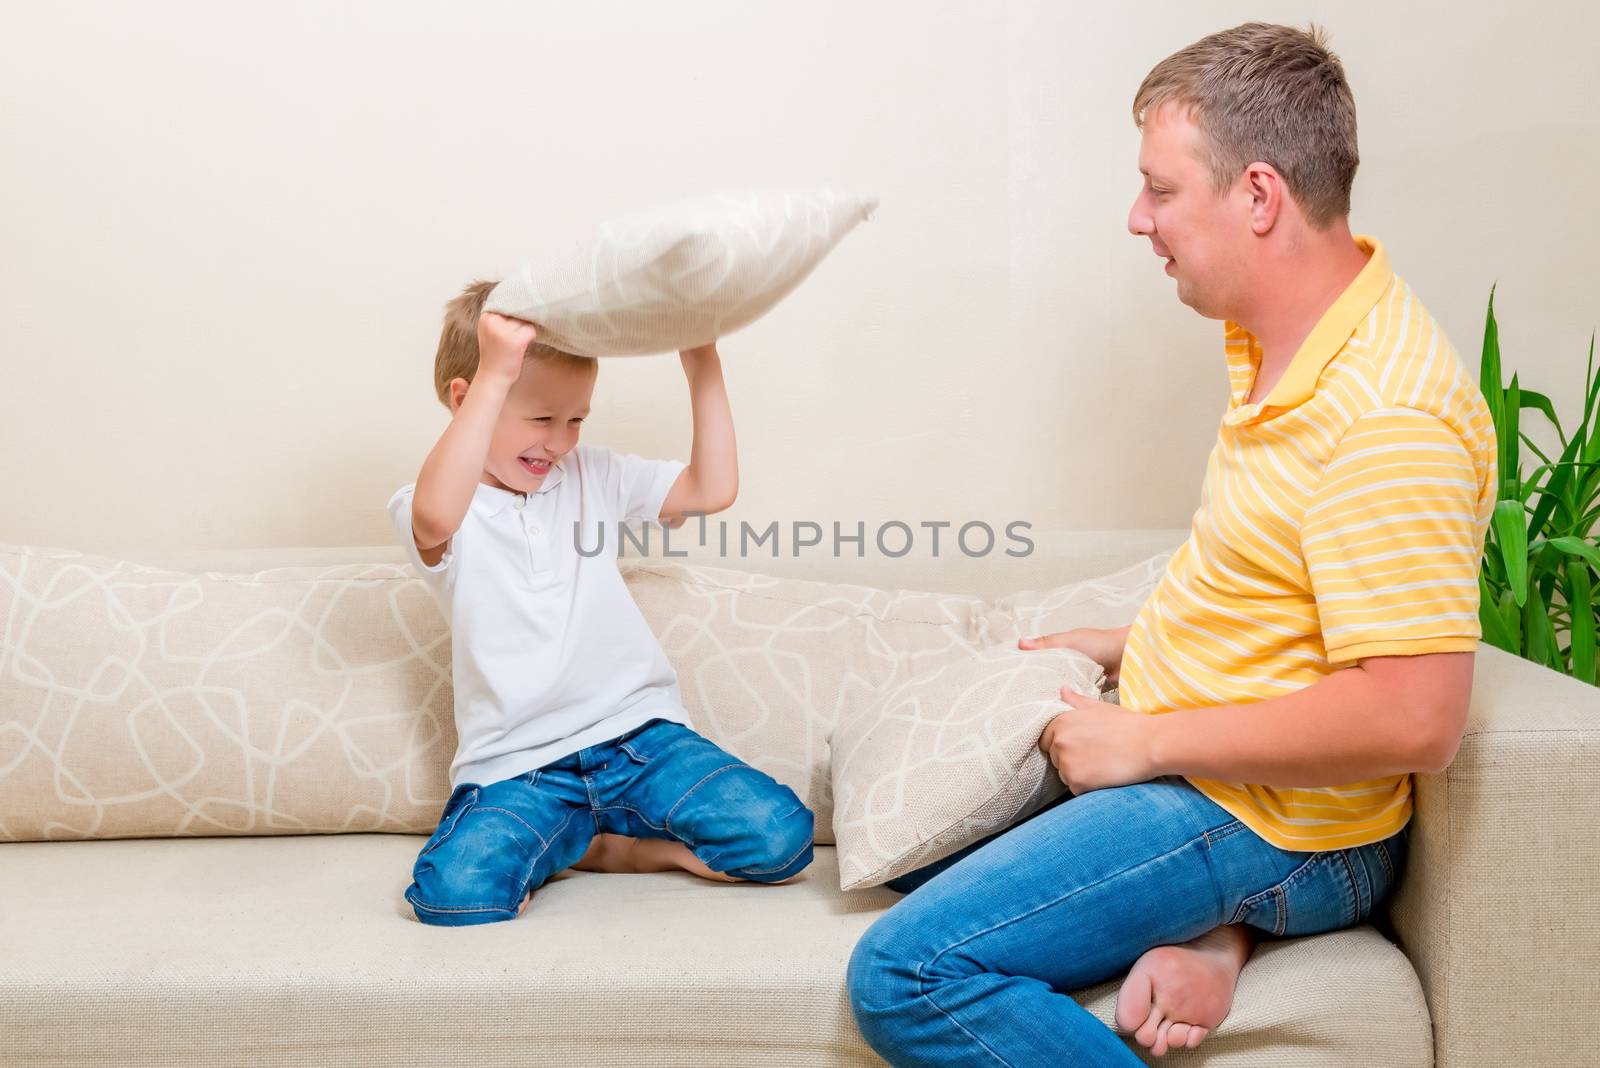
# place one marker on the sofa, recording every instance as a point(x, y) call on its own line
point(145, 920)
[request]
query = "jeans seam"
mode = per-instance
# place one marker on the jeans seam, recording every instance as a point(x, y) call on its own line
point(667, 819)
point(468, 802)
point(1383, 858)
point(1355, 887)
point(646, 820)
point(527, 877)
point(980, 1043)
point(773, 871)
point(531, 828)
point(1227, 830)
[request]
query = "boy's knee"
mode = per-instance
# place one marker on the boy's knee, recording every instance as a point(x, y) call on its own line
point(460, 895)
point(779, 835)
point(475, 876)
point(787, 844)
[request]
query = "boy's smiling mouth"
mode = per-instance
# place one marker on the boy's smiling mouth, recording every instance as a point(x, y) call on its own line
point(534, 467)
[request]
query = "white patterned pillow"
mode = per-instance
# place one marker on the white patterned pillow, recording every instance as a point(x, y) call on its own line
point(140, 702)
point(145, 702)
point(948, 757)
point(679, 276)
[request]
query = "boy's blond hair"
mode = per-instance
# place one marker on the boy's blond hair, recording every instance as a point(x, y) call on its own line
point(1269, 93)
point(458, 343)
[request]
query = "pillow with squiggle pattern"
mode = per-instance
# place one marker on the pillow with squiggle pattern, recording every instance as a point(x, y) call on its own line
point(679, 276)
point(948, 757)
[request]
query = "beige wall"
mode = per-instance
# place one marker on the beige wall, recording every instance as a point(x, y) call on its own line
point(226, 231)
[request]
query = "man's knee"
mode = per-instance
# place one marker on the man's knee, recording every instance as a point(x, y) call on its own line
point(881, 980)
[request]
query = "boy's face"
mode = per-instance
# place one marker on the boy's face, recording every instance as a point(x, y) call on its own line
point(538, 425)
point(1195, 229)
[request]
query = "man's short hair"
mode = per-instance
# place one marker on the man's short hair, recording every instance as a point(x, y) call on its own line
point(458, 342)
point(1268, 93)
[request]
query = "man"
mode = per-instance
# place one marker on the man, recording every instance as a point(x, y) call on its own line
point(1309, 647)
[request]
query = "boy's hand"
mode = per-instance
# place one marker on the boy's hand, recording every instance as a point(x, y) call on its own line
point(503, 345)
point(1103, 645)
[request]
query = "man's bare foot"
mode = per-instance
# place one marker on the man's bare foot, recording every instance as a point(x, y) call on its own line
point(1175, 995)
point(619, 853)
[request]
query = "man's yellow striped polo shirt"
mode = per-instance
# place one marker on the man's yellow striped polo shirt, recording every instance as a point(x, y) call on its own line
point(1342, 517)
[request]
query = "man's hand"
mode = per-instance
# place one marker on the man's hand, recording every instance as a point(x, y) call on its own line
point(1103, 645)
point(1094, 745)
point(503, 345)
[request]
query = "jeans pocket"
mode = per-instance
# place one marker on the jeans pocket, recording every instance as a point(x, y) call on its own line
point(461, 801)
point(1328, 892)
point(1384, 863)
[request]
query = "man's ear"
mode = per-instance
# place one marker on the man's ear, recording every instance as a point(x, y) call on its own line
point(1265, 186)
point(458, 393)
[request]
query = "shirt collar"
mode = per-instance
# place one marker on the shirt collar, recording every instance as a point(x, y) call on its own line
point(1325, 341)
point(489, 501)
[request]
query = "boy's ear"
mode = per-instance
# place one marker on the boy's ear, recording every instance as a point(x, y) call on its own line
point(458, 393)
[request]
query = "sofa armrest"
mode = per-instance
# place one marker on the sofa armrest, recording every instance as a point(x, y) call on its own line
point(1499, 909)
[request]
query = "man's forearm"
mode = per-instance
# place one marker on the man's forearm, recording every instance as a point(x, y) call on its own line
point(1349, 727)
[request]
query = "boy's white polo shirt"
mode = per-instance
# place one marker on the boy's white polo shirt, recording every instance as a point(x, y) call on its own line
point(549, 652)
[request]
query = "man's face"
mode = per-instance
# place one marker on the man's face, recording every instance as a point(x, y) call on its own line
point(1198, 232)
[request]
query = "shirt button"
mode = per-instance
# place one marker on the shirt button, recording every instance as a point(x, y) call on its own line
point(536, 530)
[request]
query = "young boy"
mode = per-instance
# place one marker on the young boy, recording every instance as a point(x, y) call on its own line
point(574, 746)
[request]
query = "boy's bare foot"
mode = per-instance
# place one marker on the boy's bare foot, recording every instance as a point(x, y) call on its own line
point(619, 853)
point(1175, 995)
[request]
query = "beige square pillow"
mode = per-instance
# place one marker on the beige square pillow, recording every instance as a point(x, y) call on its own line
point(947, 757)
point(678, 276)
point(142, 702)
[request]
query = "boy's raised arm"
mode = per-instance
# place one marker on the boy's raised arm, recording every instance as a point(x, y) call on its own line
point(711, 481)
point(450, 474)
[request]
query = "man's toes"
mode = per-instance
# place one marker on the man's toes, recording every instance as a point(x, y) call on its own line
point(1146, 1035)
point(1133, 1001)
point(1160, 1047)
point(1195, 1035)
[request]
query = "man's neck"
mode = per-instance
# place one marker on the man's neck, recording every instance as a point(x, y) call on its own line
point(1300, 287)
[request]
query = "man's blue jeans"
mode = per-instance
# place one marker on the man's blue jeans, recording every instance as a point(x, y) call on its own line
point(495, 843)
point(973, 968)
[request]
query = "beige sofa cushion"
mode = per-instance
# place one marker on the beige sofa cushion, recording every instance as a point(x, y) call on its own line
point(138, 701)
point(948, 757)
point(300, 951)
point(678, 276)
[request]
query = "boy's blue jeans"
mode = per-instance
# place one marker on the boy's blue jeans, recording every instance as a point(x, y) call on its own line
point(495, 843)
point(974, 967)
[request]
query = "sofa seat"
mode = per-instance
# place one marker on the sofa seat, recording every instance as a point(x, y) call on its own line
point(300, 950)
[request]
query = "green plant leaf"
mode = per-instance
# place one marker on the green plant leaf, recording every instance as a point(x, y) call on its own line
point(1580, 605)
point(1497, 630)
point(1513, 547)
point(1538, 632)
point(1510, 452)
point(1530, 399)
point(1489, 382)
point(1579, 548)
